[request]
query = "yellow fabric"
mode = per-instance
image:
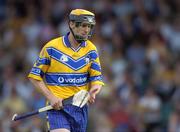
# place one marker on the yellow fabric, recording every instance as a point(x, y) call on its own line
point(66, 71)
point(97, 82)
point(81, 12)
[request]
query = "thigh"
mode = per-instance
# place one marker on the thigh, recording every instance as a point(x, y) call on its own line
point(77, 117)
point(60, 130)
point(57, 119)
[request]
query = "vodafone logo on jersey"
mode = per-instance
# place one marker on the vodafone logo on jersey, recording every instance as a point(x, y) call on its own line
point(72, 80)
point(67, 79)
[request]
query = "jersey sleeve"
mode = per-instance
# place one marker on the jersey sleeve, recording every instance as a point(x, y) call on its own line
point(95, 74)
point(41, 65)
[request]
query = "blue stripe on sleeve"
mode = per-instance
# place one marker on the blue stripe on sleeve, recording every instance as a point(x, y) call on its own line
point(93, 55)
point(37, 71)
point(42, 61)
point(96, 66)
point(95, 78)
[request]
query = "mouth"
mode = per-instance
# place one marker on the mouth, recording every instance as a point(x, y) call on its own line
point(84, 35)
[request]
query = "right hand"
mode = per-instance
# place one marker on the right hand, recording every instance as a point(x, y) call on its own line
point(56, 102)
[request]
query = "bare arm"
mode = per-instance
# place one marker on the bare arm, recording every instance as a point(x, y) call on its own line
point(54, 101)
point(95, 89)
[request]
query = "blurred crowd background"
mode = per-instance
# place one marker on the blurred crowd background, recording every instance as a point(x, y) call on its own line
point(139, 46)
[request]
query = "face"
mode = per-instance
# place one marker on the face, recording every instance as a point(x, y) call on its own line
point(81, 29)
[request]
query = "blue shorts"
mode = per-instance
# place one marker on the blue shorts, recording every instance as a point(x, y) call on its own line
point(70, 117)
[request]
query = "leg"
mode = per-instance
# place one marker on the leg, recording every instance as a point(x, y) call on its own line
point(57, 121)
point(60, 130)
point(78, 118)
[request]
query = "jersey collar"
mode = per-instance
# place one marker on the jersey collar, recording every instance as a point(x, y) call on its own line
point(67, 42)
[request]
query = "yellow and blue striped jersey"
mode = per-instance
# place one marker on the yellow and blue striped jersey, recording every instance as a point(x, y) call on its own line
point(65, 70)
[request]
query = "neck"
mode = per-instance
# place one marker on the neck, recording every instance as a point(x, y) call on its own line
point(73, 42)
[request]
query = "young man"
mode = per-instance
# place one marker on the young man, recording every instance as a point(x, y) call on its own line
point(65, 66)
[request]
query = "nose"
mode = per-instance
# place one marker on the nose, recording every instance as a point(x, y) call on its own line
point(86, 29)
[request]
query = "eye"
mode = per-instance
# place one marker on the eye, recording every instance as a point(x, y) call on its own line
point(77, 24)
point(86, 25)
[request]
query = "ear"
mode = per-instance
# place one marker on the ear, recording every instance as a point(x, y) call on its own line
point(72, 24)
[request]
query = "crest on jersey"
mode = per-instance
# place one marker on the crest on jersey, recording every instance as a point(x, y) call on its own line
point(87, 59)
point(64, 58)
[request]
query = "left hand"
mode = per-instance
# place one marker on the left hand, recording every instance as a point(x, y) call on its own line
point(92, 94)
